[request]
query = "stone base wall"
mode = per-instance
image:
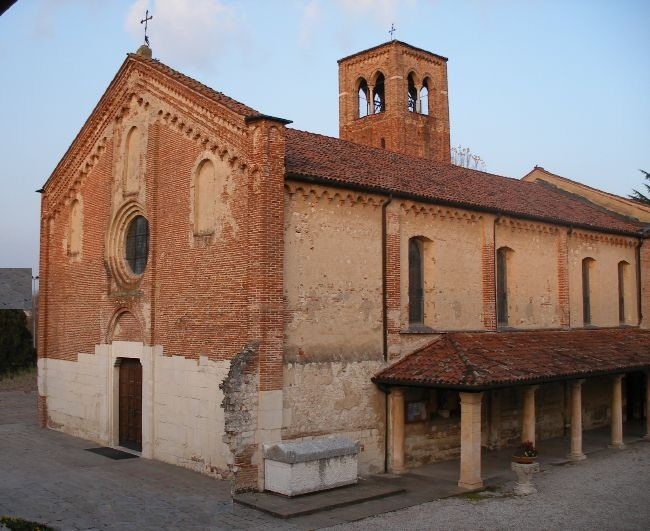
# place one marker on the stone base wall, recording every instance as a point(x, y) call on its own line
point(338, 397)
point(182, 419)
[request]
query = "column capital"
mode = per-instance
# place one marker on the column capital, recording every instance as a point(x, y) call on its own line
point(578, 383)
point(397, 391)
point(470, 398)
point(618, 377)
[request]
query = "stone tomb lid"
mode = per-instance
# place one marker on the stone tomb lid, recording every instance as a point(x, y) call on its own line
point(301, 451)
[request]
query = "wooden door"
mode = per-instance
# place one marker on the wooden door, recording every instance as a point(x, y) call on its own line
point(131, 404)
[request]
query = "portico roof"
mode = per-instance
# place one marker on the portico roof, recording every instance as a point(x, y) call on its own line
point(476, 361)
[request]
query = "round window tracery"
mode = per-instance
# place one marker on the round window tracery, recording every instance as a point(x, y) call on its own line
point(136, 245)
point(127, 245)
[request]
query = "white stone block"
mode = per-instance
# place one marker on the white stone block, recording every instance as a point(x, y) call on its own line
point(294, 468)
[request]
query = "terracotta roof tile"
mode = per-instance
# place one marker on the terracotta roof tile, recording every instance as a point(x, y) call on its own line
point(349, 164)
point(478, 360)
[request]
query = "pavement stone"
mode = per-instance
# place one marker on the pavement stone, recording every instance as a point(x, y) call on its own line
point(49, 477)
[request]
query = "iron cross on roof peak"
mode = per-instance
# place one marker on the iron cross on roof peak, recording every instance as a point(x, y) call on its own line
point(145, 21)
point(392, 30)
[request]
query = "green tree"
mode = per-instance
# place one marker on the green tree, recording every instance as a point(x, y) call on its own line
point(16, 350)
point(639, 196)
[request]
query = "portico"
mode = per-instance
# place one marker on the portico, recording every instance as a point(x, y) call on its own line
point(473, 388)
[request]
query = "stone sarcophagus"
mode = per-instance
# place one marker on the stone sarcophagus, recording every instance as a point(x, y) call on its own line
point(293, 468)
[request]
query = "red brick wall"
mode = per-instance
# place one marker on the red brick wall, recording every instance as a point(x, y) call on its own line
point(197, 295)
point(73, 288)
point(393, 293)
point(266, 248)
point(402, 131)
point(563, 279)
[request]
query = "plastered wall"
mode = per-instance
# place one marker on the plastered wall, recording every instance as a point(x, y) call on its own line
point(452, 266)
point(336, 398)
point(606, 251)
point(332, 274)
point(532, 273)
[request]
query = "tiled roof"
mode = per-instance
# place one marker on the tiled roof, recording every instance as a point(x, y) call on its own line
point(481, 360)
point(192, 83)
point(348, 164)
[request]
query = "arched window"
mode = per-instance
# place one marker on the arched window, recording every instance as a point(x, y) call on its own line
point(623, 276)
point(205, 195)
point(75, 229)
point(379, 99)
point(424, 97)
point(132, 162)
point(137, 244)
point(412, 95)
point(587, 269)
point(416, 281)
point(503, 257)
point(363, 99)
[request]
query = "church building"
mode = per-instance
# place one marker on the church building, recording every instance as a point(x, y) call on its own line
point(213, 280)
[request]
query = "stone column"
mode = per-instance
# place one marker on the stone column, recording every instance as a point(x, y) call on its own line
point(647, 406)
point(617, 413)
point(576, 421)
point(397, 430)
point(470, 441)
point(418, 107)
point(528, 421)
point(371, 99)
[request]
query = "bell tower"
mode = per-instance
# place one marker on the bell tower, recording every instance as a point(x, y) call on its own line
point(394, 96)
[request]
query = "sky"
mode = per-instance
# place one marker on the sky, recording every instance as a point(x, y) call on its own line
point(564, 84)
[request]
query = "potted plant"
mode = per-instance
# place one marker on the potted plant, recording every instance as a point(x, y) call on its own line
point(526, 453)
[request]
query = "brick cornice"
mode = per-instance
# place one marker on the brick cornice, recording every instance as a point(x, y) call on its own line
point(527, 226)
point(620, 241)
point(318, 193)
point(420, 209)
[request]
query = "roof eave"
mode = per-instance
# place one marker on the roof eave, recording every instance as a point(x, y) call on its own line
point(477, 388)
point(458, 204)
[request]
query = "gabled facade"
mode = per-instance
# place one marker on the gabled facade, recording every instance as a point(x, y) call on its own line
point(213, 280)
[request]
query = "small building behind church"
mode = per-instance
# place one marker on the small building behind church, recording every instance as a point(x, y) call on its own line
point(212, 281)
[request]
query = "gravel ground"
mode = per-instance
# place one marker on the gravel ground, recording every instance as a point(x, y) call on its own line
point(608, 491)
point(22, 382)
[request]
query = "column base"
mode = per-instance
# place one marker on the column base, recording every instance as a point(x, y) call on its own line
point(617, 446)
point(471, 485)
point(577, 457)
point(647, 436)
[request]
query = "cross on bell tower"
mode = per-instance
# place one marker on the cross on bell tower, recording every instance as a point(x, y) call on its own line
point(145, 21)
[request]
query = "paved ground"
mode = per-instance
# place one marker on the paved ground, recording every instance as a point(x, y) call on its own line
point(50, 477)
point(608, 491)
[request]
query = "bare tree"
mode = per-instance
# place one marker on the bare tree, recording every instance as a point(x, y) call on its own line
point(463, 156)
point(639, 196)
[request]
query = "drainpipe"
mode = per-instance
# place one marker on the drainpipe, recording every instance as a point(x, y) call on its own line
point(384, 313)
point(639, 306)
